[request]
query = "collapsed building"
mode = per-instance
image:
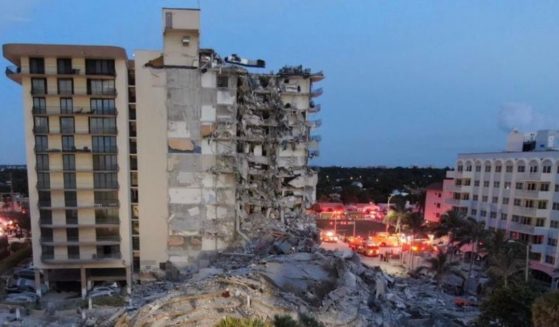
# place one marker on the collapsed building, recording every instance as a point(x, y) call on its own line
point(226, 150)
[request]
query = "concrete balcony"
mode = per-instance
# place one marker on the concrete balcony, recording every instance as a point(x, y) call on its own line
point(539, 248)
point(526, 229)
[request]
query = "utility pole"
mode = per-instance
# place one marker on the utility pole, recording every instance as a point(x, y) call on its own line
point(526, 272)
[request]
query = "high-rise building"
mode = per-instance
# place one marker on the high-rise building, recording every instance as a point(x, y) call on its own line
point(516, 191)
point(142, 165)
point(436, 200)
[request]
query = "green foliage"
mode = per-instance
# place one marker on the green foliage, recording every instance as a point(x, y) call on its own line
point(16, 246)
point(308, 321)
point(15, 258)
point(242, 322)
point(304, 321)
point(508, 307)
point(545, 310)
point(506, 257)
point(441, 266)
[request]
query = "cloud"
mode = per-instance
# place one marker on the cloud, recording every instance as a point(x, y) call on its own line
point(523, 117)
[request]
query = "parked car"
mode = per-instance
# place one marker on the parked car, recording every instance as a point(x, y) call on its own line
point(369, 249)
point(22, 298)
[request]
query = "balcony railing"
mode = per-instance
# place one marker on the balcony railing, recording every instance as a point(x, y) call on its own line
point(314, 108)
point(316, 92)
point(73, 111)
point(115, 255)
point(111, 238)
point(104, 130)
point(11, 70)
point(107, 221)
point(78, 91)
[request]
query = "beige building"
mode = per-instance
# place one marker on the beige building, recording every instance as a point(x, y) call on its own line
point(160, 161)
point(517, 191)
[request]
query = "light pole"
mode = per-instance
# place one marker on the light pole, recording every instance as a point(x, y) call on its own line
point(393, 194)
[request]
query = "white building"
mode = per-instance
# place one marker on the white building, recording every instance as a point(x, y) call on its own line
point(517, 191)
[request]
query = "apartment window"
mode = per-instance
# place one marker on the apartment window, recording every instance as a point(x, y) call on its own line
point(39, 105)
point(525, 220)
point(105, 162)
point(45, 217)
point(555, 206)
point(475, 197)
point(37, 65)
point(468, 168)
point(64, 66)
point(134, 197)
point(476, 183)
point(102, 125)
point(134, 163)
point(134, 182)
point(106, 198)
point(529, 203)
point(552, 241)
point(102, 106)
point(43, 180)
point(531, 186)
point(533, 169)
point(518, 186)
point(537, 239)
point(515, 218)
point(521, 169)
point(104, 144)
point(106, 215)
point(517, 202)
point(498, 169)
point(485, 183)
point(105, 180)
point(467, 182)
point(38, 86)
point(42, 162)
point(496, 184)
point(542, 204)
point(71, 217)
point(67, 125)
point(41, 143)
point(100, 67)
point(556, 187)
point(68, 143)
point(46, 234)
point(73, 252)
point(65, 86)
point(483, 213)
point(554, 224)
point(503, 216)
point(41, 125)
point(550, 259)
point(460, 168)
point(478, 169)
point(487, 169)
point(101, 87)
point(66, 105)
point(47, 252)
point(69, 162)
point(507, 185)
point(546, 169)
point(495, 199)
point(72, 234)
point(222, 81)
point(544, 187)
point(474, 212)
point(135, 243)
point(540, 222)
point(44, 199)
point(70, 199)
point(505, 200)
point(492, 215)
point(509, 169)
point(484, 198)
point(69, 180)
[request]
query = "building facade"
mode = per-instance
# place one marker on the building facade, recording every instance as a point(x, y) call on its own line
point(516, 191)
point(437, 197)
point(139, 165)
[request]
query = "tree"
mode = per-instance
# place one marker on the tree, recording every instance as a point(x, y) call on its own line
point(506, 257)
point(440, 266)
point(413, 222)
point(450, 222)
point(545, 310)
point(508, 307)
point(471, 232)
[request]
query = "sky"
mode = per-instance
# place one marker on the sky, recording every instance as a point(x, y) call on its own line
point(407, 82)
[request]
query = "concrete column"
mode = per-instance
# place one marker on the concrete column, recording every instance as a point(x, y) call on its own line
point(83, 282)
point(38, 282)
point(46, 277)
point(129, 280)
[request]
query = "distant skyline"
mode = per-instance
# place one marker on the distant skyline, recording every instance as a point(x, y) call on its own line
point(407, 83)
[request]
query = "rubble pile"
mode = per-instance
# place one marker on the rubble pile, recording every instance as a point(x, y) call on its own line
point(285, 273)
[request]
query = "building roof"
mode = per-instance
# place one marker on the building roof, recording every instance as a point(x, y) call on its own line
point(437, 186)
point(14, 51)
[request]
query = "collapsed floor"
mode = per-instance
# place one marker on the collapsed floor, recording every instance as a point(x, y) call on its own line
point(285, 272)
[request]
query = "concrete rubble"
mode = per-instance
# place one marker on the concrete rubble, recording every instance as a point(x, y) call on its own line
point(285, 272)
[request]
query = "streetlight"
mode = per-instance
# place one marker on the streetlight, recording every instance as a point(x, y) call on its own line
point(393, 194)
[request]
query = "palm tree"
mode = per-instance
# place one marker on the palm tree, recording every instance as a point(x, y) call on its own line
point(472, 232)
point(450, 222)
point(506, 257)
point(440, 266)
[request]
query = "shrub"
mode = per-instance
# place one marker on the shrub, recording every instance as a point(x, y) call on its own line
point(545, 310)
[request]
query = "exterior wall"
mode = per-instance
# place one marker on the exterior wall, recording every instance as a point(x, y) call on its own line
point(436, 202)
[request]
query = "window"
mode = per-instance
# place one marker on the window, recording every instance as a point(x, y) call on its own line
point(106, 198)
point(496, 184)
point(517, 202)
point(134, 182)
point(550, 259)
point(222, 81)
point(100, 67)
point(104, 162)
point(65, 86)
point(71, 217)
point(70, 180)
point(474, 212)
point(554, 224)
point(38, 86)
point(505, 200)
point(41, 143)
point(105, 180)
point(555, 206)
point(485, 183)
point(43, 180)
point(533, 169)
point(45, 217)
point(546, 169)
point(102, 106)
point(68, 162)
point(540, 222)
point(46, 234)
point(552, 241)
point(495, 199)
point(109, 215)
point(483, 213)
point(42, 162)
point(503, 216)
point(68, 143)
point(101, 87)
point(460, 168)
point(544, 187)
point(39, 105)
point(542, 204)
point(70, 199)
point(41, 125)
point(36, 65)
point(44, 199)
point(507, 185)
point(72, 234)
point(106, 144)
point(556, 187)
point(484, 198)
point(64, 66)
point(467, 182)
point(518, 186)
point(67, 125)
point(102, 125)
point(521, 169)
point(492, 215)
point(509, 169)
point(531, 186)
point(476, 183)
point(498, 169)
point(487, 169)
point(47, 252)
point(135, 243)
point(525, 220)
point(468, 168)
point(529, 203)
point(66, 106)
point(73, 252)
point(478, 169)
point(475, 197)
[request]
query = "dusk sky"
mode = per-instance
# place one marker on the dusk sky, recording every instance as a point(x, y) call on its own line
point(407, 82)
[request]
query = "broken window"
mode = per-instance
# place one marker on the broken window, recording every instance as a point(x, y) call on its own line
point(223, 81)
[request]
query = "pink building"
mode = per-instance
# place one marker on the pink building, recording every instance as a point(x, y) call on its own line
point(436, 203)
